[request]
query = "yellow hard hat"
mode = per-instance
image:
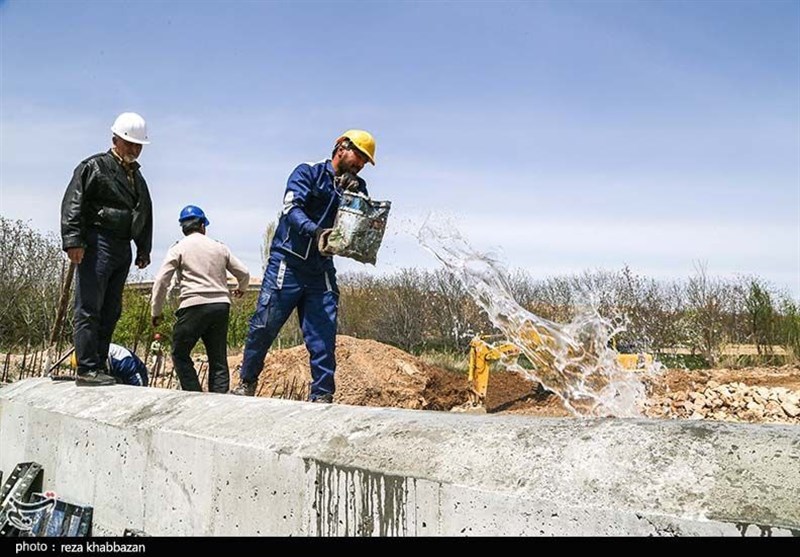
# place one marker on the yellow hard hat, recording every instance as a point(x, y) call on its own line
point(362, 140)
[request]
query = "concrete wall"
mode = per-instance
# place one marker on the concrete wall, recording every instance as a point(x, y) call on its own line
point(175, 463)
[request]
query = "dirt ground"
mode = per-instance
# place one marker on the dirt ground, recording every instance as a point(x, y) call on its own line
point(370, 373)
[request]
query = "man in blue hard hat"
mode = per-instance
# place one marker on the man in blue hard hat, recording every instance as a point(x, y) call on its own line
point(300, 273)
point(201, 265)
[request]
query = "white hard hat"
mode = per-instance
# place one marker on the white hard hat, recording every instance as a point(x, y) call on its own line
point(131, 127)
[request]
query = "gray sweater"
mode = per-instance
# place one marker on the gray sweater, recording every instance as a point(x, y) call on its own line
point(199, 264)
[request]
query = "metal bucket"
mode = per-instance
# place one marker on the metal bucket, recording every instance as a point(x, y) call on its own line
point(359, 226)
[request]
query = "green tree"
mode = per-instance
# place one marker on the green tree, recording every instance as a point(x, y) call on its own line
point(789, 326)
point(761, 316)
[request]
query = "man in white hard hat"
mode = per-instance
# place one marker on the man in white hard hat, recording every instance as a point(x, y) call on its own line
point(106, 205)
point(300, 273)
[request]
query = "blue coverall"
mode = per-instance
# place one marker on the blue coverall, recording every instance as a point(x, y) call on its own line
point(126, 367)
point(298, 276)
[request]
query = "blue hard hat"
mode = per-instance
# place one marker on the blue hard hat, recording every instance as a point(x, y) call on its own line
point(193, 212)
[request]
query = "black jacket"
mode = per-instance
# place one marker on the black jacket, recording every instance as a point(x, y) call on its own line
point(100, 196)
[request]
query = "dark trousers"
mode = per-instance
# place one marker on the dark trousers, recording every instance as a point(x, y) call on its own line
point(98, 297)
point(208, 322)
point(316, 298)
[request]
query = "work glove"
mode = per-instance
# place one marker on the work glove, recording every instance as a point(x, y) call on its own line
point(322, 241)
point(348, 182)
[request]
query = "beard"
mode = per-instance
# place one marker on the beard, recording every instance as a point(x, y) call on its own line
point(345, 168)
point(127, 158)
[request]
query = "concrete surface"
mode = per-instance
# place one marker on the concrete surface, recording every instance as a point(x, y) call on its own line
point(175, 463)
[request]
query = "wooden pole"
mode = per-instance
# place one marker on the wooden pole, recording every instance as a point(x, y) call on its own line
point(62, 310)
point(6, 365)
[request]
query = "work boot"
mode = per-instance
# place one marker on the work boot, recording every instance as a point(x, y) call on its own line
point(245, 389)
point(94, 378)
point(326, 398)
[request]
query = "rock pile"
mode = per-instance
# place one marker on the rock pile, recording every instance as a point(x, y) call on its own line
point(732, 402)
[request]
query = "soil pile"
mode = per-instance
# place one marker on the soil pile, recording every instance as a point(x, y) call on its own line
point(368, 373)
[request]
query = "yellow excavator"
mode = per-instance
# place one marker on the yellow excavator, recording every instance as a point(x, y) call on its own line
point(481, 356)
point(483, 353)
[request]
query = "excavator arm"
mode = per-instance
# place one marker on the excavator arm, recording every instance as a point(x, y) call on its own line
point(481, 354)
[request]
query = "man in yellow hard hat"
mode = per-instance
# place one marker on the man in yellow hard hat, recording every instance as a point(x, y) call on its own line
point(301, 275)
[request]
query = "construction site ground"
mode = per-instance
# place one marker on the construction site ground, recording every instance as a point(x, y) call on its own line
point(371, 373)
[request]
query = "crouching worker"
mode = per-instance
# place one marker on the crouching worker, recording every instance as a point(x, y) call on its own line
point(124, 366)
point(201, 265)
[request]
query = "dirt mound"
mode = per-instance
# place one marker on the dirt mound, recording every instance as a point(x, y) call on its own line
point(370, 373)
point(511, 393)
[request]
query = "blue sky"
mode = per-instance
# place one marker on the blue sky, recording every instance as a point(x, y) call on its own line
point(567, 135)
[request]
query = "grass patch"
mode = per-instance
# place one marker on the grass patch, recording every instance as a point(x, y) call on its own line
point(451, 361)
point(684, 361)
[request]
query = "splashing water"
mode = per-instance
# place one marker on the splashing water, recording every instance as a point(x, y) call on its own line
point(571, 360)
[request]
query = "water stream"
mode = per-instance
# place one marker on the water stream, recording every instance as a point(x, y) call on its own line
point(573, 360)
